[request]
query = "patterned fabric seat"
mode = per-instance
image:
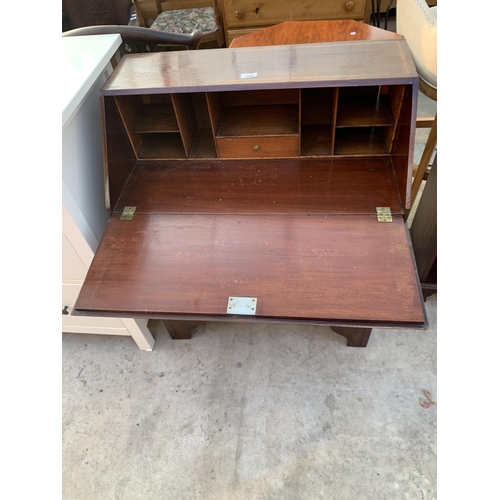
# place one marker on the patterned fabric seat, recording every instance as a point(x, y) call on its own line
point(199, 17)
point(186, 20)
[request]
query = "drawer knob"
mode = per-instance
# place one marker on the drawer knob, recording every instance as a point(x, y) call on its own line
point(349, 5)
point(239, 14)
point(256, 148)
point(65, 310)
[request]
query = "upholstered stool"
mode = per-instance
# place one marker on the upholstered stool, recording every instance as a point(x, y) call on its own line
point(417, 22)
point(186, 20)
point(206, 20)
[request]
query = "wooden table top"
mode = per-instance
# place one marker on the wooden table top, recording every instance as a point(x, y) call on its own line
point(298, 32)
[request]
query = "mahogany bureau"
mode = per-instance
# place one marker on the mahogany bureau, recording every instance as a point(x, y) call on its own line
point(260, 184)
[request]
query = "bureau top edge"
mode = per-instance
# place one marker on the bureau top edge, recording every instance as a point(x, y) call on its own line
point(284, 66)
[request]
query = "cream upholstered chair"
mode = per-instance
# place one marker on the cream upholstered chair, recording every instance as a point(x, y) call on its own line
point(417, 22)
point(182, 16)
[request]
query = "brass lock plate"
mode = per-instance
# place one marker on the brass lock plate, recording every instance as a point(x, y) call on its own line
point(242, 305)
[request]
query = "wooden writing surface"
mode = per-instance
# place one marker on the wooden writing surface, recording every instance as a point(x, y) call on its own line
point(332, 268)
point(293, 186)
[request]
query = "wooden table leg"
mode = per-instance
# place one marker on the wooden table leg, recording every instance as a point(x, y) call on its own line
point(356, 337)
point(181, 329)
point(430, 145)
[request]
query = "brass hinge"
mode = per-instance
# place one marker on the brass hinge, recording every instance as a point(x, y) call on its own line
point(128, 213)
point(384, 214)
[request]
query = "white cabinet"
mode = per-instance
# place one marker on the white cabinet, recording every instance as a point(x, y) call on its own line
point(86, 67)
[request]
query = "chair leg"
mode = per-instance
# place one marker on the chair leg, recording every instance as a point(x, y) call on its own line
point(219, 35)
point(138, 15)
point(425, 122)
point(424, 161)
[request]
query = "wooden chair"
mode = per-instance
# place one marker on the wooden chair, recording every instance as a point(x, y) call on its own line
point(417, 22)
point(137, 39)
point(182, 16)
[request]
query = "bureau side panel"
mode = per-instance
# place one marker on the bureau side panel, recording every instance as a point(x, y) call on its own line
point(404, 143)
point(119, 157)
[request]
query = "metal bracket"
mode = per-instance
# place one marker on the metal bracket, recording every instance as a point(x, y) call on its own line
point(242, 305)
point(384, 214)
point(128, 213)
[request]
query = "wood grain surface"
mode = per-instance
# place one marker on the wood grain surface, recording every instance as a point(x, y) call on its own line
point(284, 66)
point(324, 186)
point(259, 120)
point(271, 12)
point(298, 32)
point(334, 268)
point(364, 111)
point(119, 156)
point(155, 118)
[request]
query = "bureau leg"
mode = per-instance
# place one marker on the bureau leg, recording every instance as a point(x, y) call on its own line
point(181, 329)
point(428, 290)
point(356, 337)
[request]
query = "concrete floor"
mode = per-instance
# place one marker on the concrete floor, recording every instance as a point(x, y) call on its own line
point(251, 412)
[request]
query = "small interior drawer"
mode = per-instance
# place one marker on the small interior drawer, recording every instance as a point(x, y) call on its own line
point(258, 147)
